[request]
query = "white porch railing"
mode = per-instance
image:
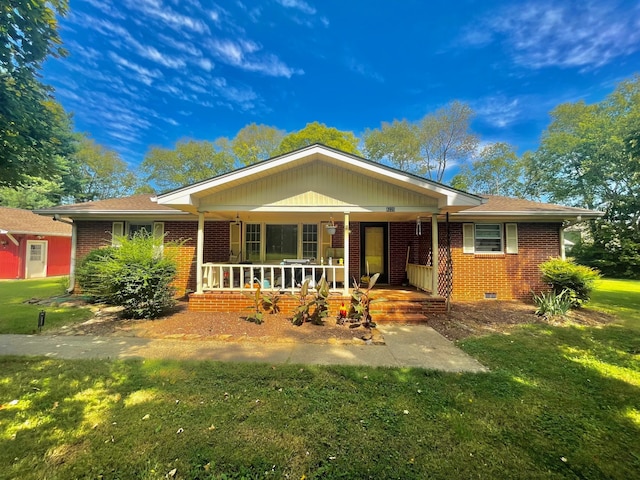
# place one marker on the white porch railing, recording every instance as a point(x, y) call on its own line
point(420, 276)
point(242, 277)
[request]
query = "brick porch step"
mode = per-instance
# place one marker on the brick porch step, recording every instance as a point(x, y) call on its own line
point(397, 306)
point(400, 318)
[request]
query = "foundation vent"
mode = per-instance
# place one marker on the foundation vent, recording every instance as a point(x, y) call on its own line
point(490, 295)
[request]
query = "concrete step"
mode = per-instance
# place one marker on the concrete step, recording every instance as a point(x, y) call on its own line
point(399, 318)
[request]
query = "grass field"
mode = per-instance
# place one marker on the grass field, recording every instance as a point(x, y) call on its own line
point(19, 317)
point(620, 297)
point(559, 402)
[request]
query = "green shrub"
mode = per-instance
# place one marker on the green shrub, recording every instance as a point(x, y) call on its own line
point(135, 275)
point(577, 280)
point(88, 273)
point(552, 304)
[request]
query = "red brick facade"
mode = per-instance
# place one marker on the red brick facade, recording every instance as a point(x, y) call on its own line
point(508, 276)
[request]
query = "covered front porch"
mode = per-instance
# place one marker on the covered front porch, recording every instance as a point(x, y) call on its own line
point(311, 214)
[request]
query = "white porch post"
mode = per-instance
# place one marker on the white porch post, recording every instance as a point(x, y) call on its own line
point(434, 253)
point(199, 252)
point(347, 231)
point(563, 253)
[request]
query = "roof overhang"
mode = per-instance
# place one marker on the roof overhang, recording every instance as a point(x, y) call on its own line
point(527, 216)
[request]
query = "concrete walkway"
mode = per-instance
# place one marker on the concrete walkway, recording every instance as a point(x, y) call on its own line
point(406, 346)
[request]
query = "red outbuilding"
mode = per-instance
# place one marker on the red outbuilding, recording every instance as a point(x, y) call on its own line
point(33, 246)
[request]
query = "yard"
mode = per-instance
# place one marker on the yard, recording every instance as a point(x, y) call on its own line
point(561, 401)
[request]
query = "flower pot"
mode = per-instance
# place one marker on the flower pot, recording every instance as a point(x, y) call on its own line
point(331, 229)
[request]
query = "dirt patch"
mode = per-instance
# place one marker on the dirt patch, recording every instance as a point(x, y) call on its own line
point(232, 327)
point(468, 319)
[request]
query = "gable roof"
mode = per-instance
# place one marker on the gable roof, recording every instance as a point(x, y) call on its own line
point(188, 198)
point(24, 222)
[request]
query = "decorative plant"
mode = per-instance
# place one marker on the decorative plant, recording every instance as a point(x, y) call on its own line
point(270, 302)
point(552, 304)
point(256, 315)
point(360, 301)
point(301, 314)
point(576, 280)
point(312, 308)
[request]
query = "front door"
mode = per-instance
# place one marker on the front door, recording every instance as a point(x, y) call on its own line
point(36, 259)
point(373, 248)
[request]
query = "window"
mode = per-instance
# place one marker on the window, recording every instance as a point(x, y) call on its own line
point(282, 242)
point(489, 238)
point(140, 227)
point(118, 229)
point(275, 242)
point(252, 241)
point(310, 241)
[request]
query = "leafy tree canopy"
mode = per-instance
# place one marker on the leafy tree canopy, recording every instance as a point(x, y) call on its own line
point(188, 162)
point(428, 147)
point(255, 143)
point(30, 124)
point(319, 133)
point(496, 171)
point(589, 158)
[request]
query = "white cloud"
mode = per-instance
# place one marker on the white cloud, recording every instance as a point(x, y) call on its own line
point(301, 5)
point(364, 70)
point(576, 34)
point(243, 54)
point(498, 110)
point(106, 7)
point(144, 75)
point(157, 10)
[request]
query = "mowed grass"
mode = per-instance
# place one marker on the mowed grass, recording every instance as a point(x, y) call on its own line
point(620, 297)
point(19, 317)
point(559, 402)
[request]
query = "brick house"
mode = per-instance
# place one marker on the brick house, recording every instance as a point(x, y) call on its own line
point(319, 211)
point(32, 246)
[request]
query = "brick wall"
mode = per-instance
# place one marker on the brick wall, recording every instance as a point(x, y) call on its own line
point(509, 276)
point(401, 237)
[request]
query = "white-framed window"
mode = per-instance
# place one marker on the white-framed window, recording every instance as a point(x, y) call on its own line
point(273, 242)
point(118, 229)
point(490, 238)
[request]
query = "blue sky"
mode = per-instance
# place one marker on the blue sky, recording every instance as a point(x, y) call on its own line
point(149, 72)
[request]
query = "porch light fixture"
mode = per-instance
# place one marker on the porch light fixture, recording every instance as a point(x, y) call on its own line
point(418, 226)
point(237, 219)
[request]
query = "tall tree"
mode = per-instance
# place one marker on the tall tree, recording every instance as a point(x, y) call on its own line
point(445, 139)
point(28, 143)
point(428, 147)
point(496, 171)
point(319, 133)
point(589, 158)
point(102, 173)
point(190, 161)
point(398, 142)
point(255, 143)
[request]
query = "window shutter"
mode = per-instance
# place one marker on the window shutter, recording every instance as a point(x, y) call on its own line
point(158, 230)
point(512, 237)
point(235, 242)
point(468, 238)
point(117, 230)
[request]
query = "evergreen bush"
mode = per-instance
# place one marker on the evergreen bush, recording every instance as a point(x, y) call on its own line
point(564, 275)
point(136, 275)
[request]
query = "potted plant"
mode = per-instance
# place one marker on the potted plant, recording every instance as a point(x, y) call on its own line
point(331, 227)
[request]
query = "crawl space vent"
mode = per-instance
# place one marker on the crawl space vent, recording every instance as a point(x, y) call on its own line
point(490, 295)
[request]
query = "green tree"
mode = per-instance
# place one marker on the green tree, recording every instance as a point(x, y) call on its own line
point(429, 146)
point(28, 122)
point(255, 143)
point(319, 133)
point(102, 173)
point(496, 171)
point(398, 142)
point(589, 158)
point(189, 162)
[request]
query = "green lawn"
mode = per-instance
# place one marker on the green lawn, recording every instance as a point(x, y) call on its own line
point(559, 402)
point(620, 297)
point(19, 317)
